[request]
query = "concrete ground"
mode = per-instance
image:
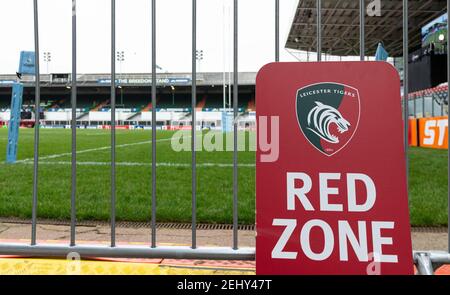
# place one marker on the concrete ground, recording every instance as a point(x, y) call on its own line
point(422, 238)
point(101, 234)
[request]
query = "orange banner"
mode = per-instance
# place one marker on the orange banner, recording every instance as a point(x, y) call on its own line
point(433, 132)
point(412, 131)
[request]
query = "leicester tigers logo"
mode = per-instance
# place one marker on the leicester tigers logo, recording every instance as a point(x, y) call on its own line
point(328, 115)
point(320, 119)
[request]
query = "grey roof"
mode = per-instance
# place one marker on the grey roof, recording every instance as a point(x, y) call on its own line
point(340, 25)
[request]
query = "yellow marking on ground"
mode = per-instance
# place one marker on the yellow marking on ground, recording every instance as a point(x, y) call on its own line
point(28, 266)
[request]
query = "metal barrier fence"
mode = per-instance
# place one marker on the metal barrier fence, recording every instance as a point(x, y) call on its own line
point(426, 261)
point(431, 102)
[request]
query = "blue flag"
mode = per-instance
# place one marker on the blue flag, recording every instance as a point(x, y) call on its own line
point(14, 123)
point(381, 54)
point(27, 63)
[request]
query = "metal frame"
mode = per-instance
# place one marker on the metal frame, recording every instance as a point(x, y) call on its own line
point(424, 113)
point(426, 262)
point(153, 220)
point(73, 213)
point(169, 252)
point(341, 26)
point(37, 101)
point(194, 124)
point(362, 20)
point(406, 88)
point(153, 250)
point(319, 29)
point(235, 123)
point(414, 105)
point(113, 123)
point(448, 116)
point(432, 105)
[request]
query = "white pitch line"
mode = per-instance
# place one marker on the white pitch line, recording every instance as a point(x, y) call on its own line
point(160, 164)
point(92, 150)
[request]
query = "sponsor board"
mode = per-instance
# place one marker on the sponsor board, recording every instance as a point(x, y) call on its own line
point(176, 127)
point(118, 127)
point(413, 136)
point(433, 132)
point(334, 199)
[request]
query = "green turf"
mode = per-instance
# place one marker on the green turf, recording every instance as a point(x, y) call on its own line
point(428, 180)
point(214, 190)
point(428, 186)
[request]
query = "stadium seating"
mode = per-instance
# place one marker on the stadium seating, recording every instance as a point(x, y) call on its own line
point(137, 101)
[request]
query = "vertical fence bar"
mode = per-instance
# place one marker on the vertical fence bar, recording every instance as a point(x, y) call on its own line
point(277, 30)
point(153, 220)
point(113, 123)
point(224, 88)
point(73, 213)
point(228, 49)
point(405, 84)
point(235, 107)
point(362, 47)
point(37, 102)
point(194, 124)
point(414, 106)
point(432, 105)
point(423, 107)
point(448, 117)
point(319, 30)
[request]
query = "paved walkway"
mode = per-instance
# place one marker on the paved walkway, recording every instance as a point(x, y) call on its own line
point(17, 232)
point(101, 233)
point(423, 239)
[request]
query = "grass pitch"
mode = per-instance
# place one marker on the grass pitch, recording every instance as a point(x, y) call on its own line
point(133, 178)
point(428, 179)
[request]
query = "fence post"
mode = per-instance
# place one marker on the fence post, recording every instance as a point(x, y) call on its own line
point(319, 30)
point(424, 264)
point(37, 102)
point(74, 125)
point(405, 85)
point(448, 137)
point(432, 105)
point(362, 49)
point(424, 114)
point(153, 220)
point(113, 123)
point(194, 124)
point(277, 30)
point(235, 108)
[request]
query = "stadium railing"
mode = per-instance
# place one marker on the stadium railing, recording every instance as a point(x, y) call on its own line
point(426, 262)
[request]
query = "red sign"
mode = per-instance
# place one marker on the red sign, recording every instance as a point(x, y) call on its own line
point(331, 194)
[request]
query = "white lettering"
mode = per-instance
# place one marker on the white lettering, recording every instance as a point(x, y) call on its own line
point(359, 244)
point(325, 191)
point(277, 251)
point(300, 193)
point(328, 240)
point(379, 241)
point(429, 132)
point(351, 192)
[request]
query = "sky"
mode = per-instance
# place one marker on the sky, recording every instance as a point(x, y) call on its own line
point(133, 34)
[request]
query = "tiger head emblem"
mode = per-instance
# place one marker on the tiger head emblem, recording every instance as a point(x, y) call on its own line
point(328, 115)
point(320, 119)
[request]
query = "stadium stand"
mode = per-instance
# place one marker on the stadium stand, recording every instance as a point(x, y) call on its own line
point(133, 99)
